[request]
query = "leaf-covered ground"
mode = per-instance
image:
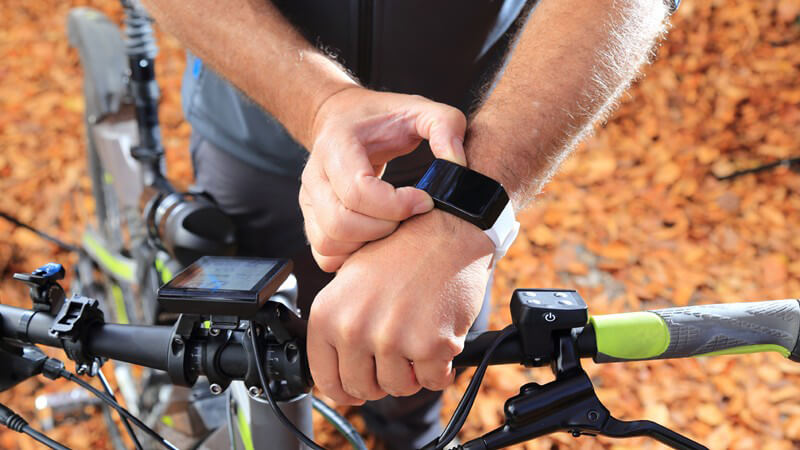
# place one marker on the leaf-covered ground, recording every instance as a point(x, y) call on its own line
point(635, 220)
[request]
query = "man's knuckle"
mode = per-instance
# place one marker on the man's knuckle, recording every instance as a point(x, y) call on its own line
point(327, 264)
point(352, 391)
point(426, 351)
point(437, 348)
point(327, 386)
point(373, 394)
point(362, 391)
point(386, 345)
point(438, 385)
point(324, 245)
point(351, 332)
point(432, 382)
point(401, 390)
point(450, 347)
point(338, 225)
point(352, 195)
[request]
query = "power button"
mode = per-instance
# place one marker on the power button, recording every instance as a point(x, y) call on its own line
point(549, 317)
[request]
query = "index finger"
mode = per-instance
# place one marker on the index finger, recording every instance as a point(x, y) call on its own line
point(353, 179)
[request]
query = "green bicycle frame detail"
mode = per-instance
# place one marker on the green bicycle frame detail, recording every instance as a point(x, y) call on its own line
point(121, 268)
point(163, 271)
point(244, 431)
point(119, 304)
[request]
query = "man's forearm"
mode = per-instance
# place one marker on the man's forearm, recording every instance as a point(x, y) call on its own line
point(572, 60)
point(251, 44)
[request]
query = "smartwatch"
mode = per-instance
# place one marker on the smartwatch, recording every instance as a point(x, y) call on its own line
point(474, 197)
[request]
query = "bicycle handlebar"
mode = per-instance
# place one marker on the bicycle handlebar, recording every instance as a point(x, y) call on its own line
point(703, 330)
point(668, 333)
point(148, 346)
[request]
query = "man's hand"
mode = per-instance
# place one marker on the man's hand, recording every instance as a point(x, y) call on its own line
point(354, 134)
point(398, 311)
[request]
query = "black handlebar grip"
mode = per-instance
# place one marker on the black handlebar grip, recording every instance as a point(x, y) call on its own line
point(703, 330)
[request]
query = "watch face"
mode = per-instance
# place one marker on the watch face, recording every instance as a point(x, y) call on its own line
point(465, 193)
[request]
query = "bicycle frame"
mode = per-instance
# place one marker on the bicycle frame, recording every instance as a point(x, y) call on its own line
point(126, 165)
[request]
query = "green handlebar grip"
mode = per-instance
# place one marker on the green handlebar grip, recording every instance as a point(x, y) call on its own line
point(704, 330)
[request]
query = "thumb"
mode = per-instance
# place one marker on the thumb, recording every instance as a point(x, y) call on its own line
point(444, 127)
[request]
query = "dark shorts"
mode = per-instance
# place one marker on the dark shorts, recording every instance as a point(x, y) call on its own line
point(265, 210)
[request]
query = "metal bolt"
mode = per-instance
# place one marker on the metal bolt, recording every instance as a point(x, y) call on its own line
point(593, 416)
point(254, 391)
point(215, 389)
point(214, 331)
point(177, 341)
point(291, 347)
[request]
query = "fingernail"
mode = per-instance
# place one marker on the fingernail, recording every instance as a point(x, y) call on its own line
point(458, 151)
point(423, 206)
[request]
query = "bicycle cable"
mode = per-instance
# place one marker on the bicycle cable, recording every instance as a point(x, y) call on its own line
point(341, 424)
point(125, 422)
point(465, 404)
point(42, 234)
point(229, 419)
point(272, 403)
point(111, 402)
point(14, 422)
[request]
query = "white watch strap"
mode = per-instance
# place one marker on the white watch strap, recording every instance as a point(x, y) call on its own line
point(503, 232)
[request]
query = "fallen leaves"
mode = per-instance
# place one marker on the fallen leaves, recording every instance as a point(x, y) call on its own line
point(634, 220)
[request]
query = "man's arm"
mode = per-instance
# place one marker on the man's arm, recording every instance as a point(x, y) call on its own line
point(351, 132)
point(253, 46)
point(399, 308)
point(571, 63)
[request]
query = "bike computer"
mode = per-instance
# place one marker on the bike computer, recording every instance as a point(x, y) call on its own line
point(231, 286)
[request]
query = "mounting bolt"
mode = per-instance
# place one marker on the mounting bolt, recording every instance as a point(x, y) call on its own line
point(214, 331)
point(215, 389)
point(593, 416)
point(254, 391)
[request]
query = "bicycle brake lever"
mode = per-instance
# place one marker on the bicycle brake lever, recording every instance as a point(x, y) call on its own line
point(569, 403)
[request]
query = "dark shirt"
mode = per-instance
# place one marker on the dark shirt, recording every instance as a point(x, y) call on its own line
point(445, 50)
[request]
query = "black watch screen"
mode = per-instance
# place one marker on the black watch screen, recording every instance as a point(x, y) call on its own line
point(465, 193)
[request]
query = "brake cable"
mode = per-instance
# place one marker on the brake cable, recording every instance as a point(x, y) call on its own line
point(14, 422)
point(465, 404)
point(265, 386)
point(125, 421)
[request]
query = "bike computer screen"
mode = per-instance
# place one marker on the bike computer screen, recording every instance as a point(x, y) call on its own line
point(233, 286)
